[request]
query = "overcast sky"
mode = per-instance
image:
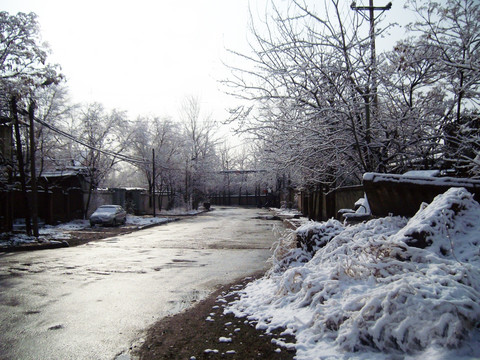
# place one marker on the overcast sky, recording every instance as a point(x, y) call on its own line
point(144, 56)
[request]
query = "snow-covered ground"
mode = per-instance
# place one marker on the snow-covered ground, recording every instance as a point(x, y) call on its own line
point(389, 288)
point(60, 232)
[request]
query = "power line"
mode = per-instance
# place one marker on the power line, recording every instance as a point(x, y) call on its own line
point(105, 152)
point(241, 171)
point(125, 158)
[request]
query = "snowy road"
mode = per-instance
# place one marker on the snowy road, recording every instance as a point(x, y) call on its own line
point(93, 301)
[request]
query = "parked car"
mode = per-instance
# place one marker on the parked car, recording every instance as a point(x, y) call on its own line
point(109, 215)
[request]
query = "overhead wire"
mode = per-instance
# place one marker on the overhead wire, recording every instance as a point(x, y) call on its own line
point(106, 152)
point(120, 156)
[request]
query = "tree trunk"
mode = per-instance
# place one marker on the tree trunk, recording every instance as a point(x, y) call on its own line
point(89, 197)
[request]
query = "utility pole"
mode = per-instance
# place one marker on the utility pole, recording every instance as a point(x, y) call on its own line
point(153, 182)
point(33, 178)
point(21, 164)
point(371, 103)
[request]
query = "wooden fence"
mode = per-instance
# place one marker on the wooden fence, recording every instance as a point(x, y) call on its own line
point(55, 205)
point(263, 200)
point(319, 206)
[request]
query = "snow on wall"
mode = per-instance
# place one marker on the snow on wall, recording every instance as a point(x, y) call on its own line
point(367, 292)
point(421, 180)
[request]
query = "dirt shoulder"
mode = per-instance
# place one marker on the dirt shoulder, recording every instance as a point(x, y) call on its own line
point(76, 237)
point(79, 237)
point(204, 332)
point(96, 233)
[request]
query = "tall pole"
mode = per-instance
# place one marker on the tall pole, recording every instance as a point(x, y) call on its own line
point(153, 183)
point(373, 57)
point(21, 164)
point(371, 105)
point(33, 180)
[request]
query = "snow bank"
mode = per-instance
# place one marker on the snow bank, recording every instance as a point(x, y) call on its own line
point(371, 289)
point(442, 226)
point(53, 234)
point(144, 221)
point(60, 232)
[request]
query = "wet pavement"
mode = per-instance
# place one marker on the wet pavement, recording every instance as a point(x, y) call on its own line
point(93, 301)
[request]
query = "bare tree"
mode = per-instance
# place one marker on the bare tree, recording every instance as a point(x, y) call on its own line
point(53, 108)
point(452, 28)
point(102, 133)
point(163, 135)
point(411, 86)
point(23, 70)
point(199, 156)
point(310, 84)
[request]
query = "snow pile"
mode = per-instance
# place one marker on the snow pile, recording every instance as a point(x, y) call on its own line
point(54, 234)
point(286, 212)
point(60, 232)
point(319, 234)
point(17, 240)
point(144, 221)
point(372, 289)
point(443, 224)
point(295, 250)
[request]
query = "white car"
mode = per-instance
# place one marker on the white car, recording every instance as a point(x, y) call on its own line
point(109, 215)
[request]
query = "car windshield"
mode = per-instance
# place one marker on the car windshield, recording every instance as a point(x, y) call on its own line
point(108, 210)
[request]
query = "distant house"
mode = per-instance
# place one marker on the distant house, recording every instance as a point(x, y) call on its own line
point(69, 178)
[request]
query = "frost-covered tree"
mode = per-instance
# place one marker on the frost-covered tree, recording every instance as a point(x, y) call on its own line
point(415, 107)
point(238, 170)
point(23, 70)
point(101, 135)
point(23, 56)
point(164, 136)
point(200, 162)
point(54, 109)
point(310, 85)
point(452, 29)
point(326, 112)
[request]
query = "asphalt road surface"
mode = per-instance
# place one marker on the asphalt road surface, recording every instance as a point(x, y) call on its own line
point(93, 301)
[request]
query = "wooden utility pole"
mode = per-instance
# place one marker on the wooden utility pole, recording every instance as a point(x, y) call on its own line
point(21, 164)
point(371, 11)
point(371, 103)
point(153, 183)
point(33, 177)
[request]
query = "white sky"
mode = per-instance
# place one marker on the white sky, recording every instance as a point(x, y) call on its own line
point(145, 56)
point(142, 56)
